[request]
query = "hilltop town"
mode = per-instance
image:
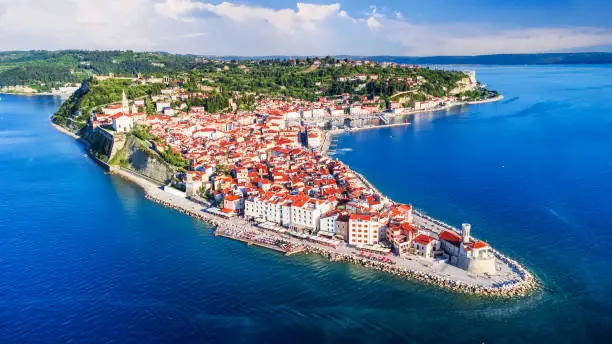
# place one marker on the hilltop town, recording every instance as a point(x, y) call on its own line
point(265, 166)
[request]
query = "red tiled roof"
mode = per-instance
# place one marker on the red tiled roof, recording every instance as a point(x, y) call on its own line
point(232, 198)
point(362, 217)
point(451, 237)
point(423, 239)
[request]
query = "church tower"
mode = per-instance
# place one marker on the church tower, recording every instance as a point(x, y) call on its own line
point(465, 232)
point(124, 104)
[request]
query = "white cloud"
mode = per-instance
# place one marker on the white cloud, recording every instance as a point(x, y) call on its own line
point(193, 34)
point(373, 23)
point(39, 24)
point(470, 39)
point(285, 20)
point(374, 19)
point(228, 28)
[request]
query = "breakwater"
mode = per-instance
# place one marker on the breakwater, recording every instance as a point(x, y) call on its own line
point(512, 288)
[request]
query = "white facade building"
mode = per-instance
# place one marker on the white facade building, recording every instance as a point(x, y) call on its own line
point(327, 224)
point(363, 229)
point(122, 123)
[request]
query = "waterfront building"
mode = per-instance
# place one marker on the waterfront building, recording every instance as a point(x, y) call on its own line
point(233, 203)
point(268, 207)
point(473, 256)
point(306, 213)
point(328, 224)
point(364, 229)
point(424, 246)
point(342, 226)
point(400, 235)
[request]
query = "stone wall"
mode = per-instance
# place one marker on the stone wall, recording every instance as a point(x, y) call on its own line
point(133, 154)
point(147, 162)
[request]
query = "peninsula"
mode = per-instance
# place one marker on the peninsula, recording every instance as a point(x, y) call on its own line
point(243, 145)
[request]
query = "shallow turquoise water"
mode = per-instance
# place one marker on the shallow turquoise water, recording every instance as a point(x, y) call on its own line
point(85, 258)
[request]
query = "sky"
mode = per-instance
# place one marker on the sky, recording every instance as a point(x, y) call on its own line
point(316, 27)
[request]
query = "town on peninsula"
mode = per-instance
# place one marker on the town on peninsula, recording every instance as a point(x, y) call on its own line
point(247, 146)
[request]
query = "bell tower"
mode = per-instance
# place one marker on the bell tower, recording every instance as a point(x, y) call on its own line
point(465, 232)
point(124, 104)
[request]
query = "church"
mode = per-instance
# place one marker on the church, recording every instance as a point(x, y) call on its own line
point(121, 121)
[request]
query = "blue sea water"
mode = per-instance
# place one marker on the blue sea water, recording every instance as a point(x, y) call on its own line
point(84, 258)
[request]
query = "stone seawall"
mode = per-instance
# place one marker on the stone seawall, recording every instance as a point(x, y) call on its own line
point(518, 288)
point(515, 288)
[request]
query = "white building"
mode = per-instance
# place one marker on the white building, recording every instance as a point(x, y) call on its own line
point(357, 111)
point(160, 106)
point(306, 213)
point(337, 111)
point(307, 113)
point(327, 224)
point(473, 256)
point(363, 229)
point(314, 140)
point(121, 122)
point(425, 246)
point(291, 115)
point(269, 209)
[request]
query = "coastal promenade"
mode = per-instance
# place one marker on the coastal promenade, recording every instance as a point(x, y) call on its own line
point(511, 279)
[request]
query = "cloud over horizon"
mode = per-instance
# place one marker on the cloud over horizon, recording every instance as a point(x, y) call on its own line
point(229, 28)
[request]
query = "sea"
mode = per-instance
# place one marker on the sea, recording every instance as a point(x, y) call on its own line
point(84, 258)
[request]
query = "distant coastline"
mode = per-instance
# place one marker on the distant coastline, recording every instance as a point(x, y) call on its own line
point(35, 94)
point(329, 134)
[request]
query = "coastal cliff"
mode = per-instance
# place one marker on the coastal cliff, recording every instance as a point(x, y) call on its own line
point(126, 151)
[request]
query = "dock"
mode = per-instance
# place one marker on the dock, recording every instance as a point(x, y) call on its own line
point(250, 242)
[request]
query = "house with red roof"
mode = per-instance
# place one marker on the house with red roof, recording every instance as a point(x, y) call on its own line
point(234, 202)
point(425, 245)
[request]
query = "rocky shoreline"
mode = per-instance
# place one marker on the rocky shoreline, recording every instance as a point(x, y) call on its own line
point(515, 288)
point(520, 288)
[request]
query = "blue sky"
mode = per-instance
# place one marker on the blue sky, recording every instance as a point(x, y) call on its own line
point(315, 27)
